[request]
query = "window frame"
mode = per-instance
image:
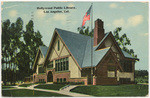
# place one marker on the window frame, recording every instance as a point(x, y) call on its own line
point(62, 64)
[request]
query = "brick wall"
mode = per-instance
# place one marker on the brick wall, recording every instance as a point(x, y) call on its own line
point(106, 81)
point(61, 75)
point(39, 76)
point(78, 80)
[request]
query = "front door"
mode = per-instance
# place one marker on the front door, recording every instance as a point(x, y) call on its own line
point(50, 77)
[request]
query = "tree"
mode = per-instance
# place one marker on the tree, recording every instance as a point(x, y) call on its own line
point(123, 41)
point(5, 45)
point(32, 40)
point(19, 49)
point(11, 33)
point(85, 31)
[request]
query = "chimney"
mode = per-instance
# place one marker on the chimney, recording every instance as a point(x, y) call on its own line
point(98, 31)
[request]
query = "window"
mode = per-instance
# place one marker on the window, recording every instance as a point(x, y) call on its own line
point(57, 79)
point(111, 71)
point(67, 65)
point(61, 69)
point(62, 64)
point(64, 68)
point(59, 65)
point(64, 80)
point(58, 45)
point(50, 65)
point(60, 80)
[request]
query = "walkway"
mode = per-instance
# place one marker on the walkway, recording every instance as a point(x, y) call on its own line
point(65, 91)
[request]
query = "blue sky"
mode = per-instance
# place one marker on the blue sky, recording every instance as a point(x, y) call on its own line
point(131, 16)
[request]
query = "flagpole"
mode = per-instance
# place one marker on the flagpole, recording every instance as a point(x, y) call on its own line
point(92, 45)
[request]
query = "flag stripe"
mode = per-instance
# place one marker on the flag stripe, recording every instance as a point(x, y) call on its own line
point(86, 16)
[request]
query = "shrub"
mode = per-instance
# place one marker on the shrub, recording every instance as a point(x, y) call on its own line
point(69, 83)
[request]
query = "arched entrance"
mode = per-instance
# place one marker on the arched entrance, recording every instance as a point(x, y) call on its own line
point(50, 77)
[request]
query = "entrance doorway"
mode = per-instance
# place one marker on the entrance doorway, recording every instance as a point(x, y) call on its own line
point(50, 77)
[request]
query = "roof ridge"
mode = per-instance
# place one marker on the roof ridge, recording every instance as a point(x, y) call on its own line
point(72, 32)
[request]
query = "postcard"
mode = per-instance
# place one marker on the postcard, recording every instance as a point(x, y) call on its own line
point(74, 49)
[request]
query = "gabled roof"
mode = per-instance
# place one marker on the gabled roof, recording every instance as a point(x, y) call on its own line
point(113, 39)
point(80, 47)
point(106, 35)
point(43, 50)
point(75, 42)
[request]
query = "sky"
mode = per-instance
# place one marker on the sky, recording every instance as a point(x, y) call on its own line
point(131, 16)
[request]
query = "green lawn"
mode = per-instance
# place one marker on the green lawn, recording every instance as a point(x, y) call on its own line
point(28, 93)
point(50, 86)
point(6, 87)
point(118, 90)
point(26, 85)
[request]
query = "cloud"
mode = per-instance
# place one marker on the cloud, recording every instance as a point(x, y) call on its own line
point(130, 22)
point(13, 13)
point(40, 13)
point(135, 20)
point(71, 5)
point(145, 34)
point(119, 22)
point(113, 5)
point(60, 17)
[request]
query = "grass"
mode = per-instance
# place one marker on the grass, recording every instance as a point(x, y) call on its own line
point(118, 90)
point(26, 85)
point(50, 86)
point(28, 93)
point(7, 87)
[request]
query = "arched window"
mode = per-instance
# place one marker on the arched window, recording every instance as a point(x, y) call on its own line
point(64, 80)
point(57, 80)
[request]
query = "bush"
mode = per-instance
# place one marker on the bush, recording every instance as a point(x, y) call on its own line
point(69, 83)
point(39, 82)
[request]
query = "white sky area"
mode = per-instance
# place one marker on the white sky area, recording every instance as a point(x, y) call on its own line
point(131, 16)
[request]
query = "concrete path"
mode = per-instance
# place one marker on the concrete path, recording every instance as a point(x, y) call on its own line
point(65, 91)
point(32, 86)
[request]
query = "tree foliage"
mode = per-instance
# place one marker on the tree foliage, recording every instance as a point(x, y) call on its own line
point(85, 31)
point(19, 48)
point(123, 41)
point(141, 73)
